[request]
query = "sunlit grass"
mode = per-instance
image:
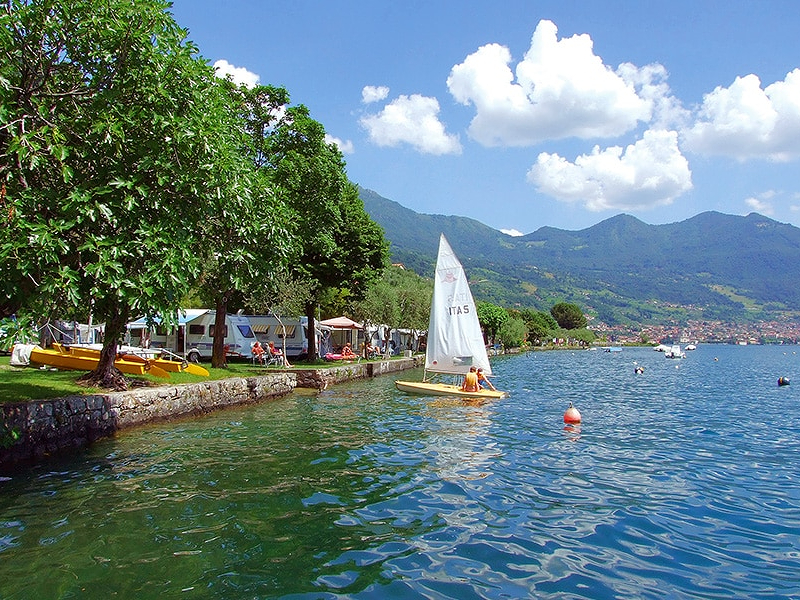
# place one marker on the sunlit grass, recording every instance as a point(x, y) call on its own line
point(22, 384)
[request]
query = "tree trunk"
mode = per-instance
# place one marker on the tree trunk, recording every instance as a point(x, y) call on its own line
point(387, 349)
point(219, 357)
point(312, 332)
point(106, 375)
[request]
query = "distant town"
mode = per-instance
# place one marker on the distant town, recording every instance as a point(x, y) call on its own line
point(709, 332)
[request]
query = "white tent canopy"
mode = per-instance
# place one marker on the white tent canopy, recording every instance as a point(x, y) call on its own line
point(341, 323)
point(342, 330)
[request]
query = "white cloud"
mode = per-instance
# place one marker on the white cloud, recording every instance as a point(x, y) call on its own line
point(372, 93)
point(345, 146)
point(512, 232)
point(239, 75)
point(760, 206)
point(562, 89)
point(649, 173)
point(412, 120)
point(744, 121)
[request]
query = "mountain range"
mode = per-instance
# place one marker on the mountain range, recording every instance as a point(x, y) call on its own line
point(712, 266)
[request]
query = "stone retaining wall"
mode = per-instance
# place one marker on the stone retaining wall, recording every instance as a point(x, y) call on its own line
point(322, 378)
point(31, 431)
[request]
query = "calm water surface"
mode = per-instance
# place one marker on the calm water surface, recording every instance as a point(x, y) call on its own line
point(682, 482)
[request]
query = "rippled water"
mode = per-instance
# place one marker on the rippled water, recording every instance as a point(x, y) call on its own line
point(682, 482)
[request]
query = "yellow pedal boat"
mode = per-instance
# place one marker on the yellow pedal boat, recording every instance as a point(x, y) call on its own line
point(63, 357)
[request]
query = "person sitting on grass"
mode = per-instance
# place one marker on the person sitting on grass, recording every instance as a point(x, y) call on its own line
point(347, 352)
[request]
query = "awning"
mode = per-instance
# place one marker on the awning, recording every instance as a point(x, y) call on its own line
point(289, 330)
point(185, 316)
point(341, 323)
point(259, 328)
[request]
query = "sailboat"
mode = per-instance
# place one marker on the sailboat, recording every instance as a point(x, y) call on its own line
point(455, 340)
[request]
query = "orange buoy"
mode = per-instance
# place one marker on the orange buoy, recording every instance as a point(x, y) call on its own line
point(572, 415)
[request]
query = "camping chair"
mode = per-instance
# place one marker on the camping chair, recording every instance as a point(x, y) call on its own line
point(258, 355)
point(271, 359)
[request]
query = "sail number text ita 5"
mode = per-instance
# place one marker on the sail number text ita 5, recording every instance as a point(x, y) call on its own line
point(457, 309)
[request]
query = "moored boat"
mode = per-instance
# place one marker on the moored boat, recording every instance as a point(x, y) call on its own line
point(158, 358)
point(675, 352)
point(62, 357)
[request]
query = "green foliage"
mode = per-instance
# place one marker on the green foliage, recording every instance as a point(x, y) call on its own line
point(16, 330)
point(568, 316)
point(108, 153)
point(541, 325)
point(513, 332)
point(587, 336)
point(399, 299)
point(491, 318)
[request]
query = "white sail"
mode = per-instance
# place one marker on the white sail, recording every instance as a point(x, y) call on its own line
point(455, 341)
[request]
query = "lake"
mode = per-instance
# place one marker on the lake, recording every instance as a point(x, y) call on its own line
point(680, 482)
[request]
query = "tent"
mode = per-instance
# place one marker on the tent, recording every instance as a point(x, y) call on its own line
point(342, 330)
point(341, 323)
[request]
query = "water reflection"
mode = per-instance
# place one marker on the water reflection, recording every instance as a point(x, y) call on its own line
point(459, 439)
point(675, 485)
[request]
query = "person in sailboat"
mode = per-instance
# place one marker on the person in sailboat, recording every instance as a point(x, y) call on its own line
point(483, 380)
point(471, 381)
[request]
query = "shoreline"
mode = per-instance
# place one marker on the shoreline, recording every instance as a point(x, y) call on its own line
point(37, 430)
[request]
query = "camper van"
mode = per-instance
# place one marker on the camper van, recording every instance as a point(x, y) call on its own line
point(269, 328)
point(193, 337)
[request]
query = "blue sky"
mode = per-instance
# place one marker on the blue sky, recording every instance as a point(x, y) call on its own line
point(523, 114)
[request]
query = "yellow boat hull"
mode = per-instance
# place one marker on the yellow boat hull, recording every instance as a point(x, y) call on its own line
point(427, 388)
point(63, 358)
point(173, 366)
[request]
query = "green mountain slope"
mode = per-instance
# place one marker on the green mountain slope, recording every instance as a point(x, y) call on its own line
point(712, 266)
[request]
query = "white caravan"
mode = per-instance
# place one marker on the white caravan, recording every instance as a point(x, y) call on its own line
point(269, 328)
point(193, 337)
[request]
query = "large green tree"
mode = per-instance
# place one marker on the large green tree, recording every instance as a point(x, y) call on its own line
point(109, 150)
point(492, 318)
point(568, 316)
point(340, 246)
point(246, 235)
point(541, 325)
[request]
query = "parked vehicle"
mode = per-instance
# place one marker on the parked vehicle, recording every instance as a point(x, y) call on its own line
point(193, 336)
point(269, 328)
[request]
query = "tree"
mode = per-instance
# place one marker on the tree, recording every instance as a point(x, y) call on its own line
point(568, 316)
point(513, 332)
point(541, 325)
point(400, 298)
point(491, 318)
point(340, 246)
point(108, 150)
point(280, 295)
point(246, 235)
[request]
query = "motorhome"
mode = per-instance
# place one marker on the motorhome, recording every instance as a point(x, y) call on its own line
point(292, 330)
point(193, 336)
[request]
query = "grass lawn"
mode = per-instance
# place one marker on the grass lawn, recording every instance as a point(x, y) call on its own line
point(22, 384)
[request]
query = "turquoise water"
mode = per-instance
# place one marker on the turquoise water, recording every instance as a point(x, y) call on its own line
point(682, 482)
